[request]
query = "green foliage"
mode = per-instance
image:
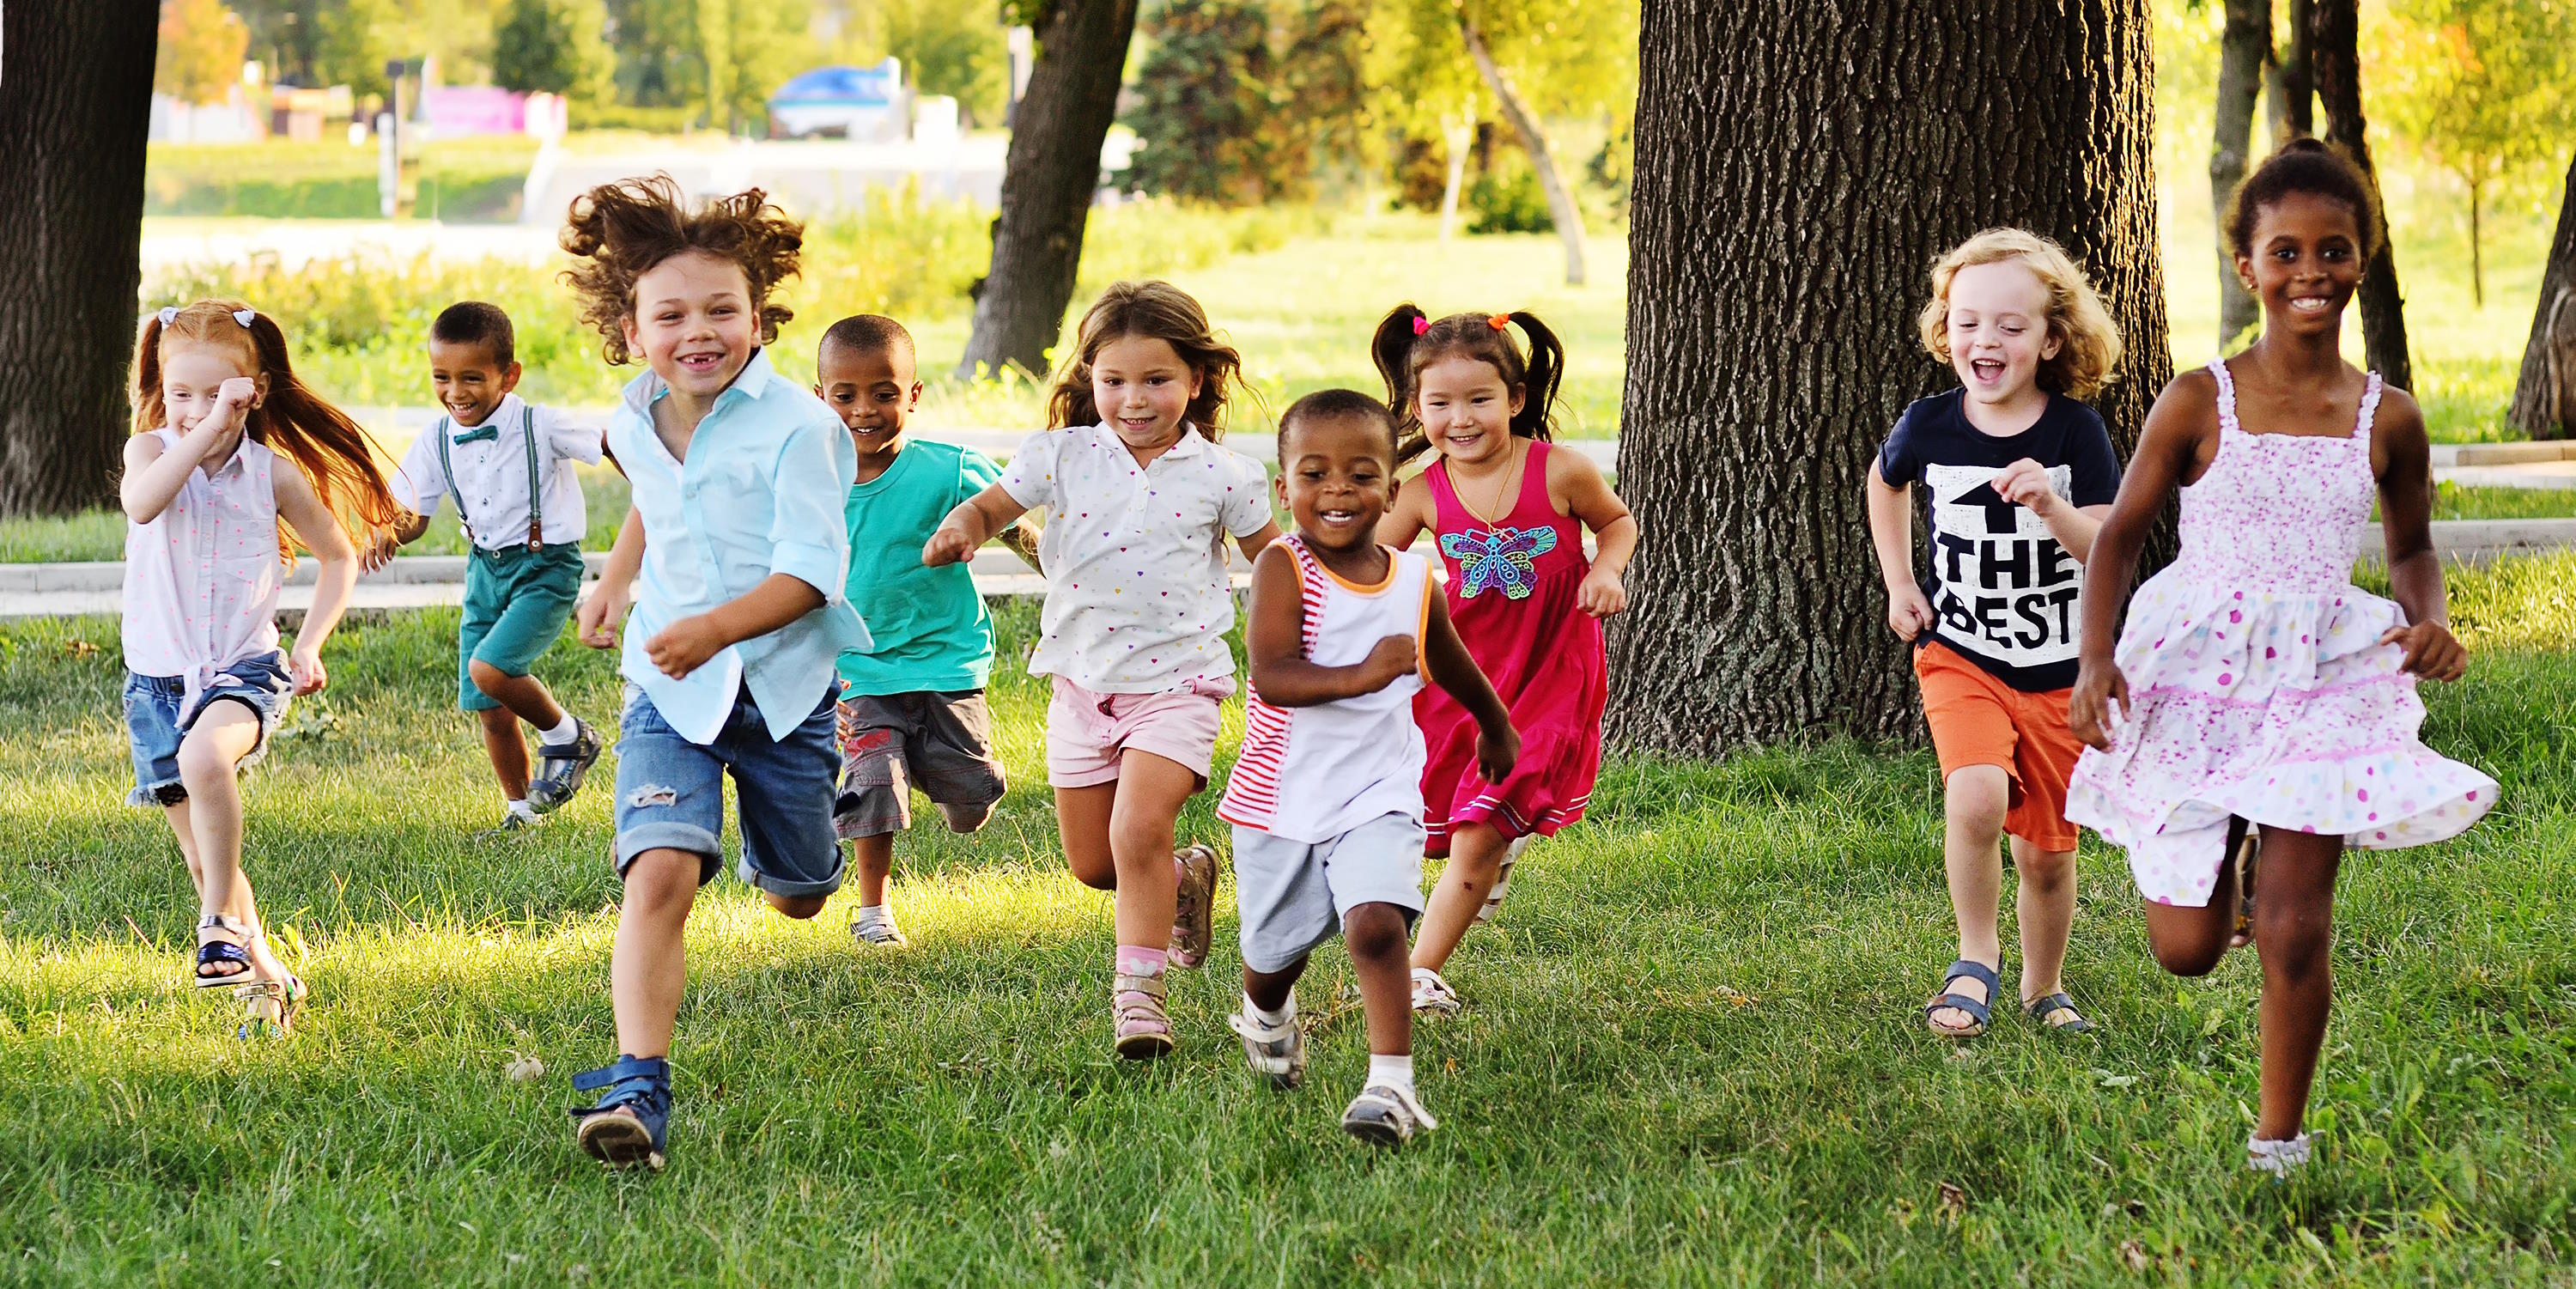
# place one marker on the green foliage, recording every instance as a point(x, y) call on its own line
point(553, 46)
point(358, 38)
point(960, 50)
point(2482, 89)
point(199, 51)
point(1205, 100)
point(1506, 198)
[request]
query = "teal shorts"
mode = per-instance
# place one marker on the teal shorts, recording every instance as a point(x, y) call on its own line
point(516, 601)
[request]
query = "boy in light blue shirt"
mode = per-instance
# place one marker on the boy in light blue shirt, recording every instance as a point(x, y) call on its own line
point(736, 534)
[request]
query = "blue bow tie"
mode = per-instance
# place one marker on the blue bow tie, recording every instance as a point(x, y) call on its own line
point(479, 434)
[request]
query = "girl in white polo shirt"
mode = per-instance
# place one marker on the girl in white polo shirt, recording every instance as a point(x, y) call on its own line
point(1140, 502)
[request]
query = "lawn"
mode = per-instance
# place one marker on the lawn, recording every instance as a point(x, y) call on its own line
point(1691, 1056)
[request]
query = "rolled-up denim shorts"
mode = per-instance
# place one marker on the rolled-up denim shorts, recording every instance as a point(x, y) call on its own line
point(153, 732)
point(670, 795)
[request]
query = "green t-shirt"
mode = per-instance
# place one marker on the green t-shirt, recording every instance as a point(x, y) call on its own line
point(931, 629)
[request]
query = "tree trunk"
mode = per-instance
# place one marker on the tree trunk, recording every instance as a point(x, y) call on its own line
point(2333, 36)
point(75, 107)
point(2544, 395)
point(1560, 199)
point(1459, 137)
point(1794, 179)
point(1048, 178)
point(2244, 49)
point(2477, 253)
point(2299, 73)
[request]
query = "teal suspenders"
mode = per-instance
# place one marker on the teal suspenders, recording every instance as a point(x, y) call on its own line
point(536, 496)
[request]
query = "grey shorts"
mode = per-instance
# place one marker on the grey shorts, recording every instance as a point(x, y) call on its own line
point(1291, 896)
point(893, 743)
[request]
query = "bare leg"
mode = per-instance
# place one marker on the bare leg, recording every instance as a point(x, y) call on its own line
point(872, 859)
point(1475, 858)
point(1082, 822)
point(1151, 792)
point(967, 818)
point(1374, 934)
point(2189, 941)
point(507, 751)
point(1269, 990)
point(647, 971)
point(799, 907)
point(1973, 805)
point(2294, 907)
point(2046, 906)
point(522, 696)
point(224, 733)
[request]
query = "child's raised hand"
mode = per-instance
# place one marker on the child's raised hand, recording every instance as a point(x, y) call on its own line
point(304, 668)
point(1908, 613)
point(379, 552)
point(947, 546)
point(2101, 696)
point(1601, 594)
point(2025, 483)
point(602, 613)
point(1496, 752)
point(2431, 650)
point(685, 645)
point(1393, 659)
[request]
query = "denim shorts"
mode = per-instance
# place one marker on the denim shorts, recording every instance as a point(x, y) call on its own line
point(153, 732)
point(670, 794)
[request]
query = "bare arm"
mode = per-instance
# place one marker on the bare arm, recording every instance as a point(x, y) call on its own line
point(1574, 482)
point(1448, 664)
point(1891, 534)
point(603, 611)
point(1275, 632)
point(2404, 464)
point(1253, 545)
point(685, 645)
point(1408, 516)
point(2181, 427)
point(971, 524)
point(154, 475)
point(320, 531)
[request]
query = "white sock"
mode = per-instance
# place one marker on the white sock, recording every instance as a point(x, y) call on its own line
point(561, 734)
point(1391, 1071)
point(876, 913)
point(1287, 1011)
point(520, 807)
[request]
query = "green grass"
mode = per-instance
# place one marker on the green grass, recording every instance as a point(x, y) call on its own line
point(467, 180)
point(1692, 1056)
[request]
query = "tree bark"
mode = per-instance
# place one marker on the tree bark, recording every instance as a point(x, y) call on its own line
point(1048, 178)
point(1794, 180)
point(2299, 73)
point(1560, 199)
point(2544, 395)
point(75, 107)
point(2334, 37)
point(2244, 49)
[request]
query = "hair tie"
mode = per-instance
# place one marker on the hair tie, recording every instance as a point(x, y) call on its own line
point(1499, 321)
point(169, 314)
point(1421, 323)
point(245, 317)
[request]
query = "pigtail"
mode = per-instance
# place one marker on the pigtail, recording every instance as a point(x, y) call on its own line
point(1545, 373)
point(1391, 348)
point(337, 456)
point(149, 412)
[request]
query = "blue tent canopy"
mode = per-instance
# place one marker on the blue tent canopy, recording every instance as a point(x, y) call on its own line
point(842, 86)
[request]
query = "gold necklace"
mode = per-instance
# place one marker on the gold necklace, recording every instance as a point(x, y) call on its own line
point(1502, 495)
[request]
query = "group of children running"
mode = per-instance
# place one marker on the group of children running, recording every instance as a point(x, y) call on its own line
point(791, 597)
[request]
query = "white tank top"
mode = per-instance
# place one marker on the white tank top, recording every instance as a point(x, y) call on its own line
point(201, 579)
point(1311, 774)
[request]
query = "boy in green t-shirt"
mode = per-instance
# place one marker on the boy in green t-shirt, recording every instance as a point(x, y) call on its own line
point(912, 708)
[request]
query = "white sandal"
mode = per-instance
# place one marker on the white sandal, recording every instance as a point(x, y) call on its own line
point(2279, 1158)
point(1432, 995)
point(1503, 878)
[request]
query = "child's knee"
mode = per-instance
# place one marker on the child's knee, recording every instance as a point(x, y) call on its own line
point(1374, 931)
point(800, 907)
point(2188, 955)
point(962, 818)
point(488, 678)
point(1979, 796)
point(204, 763)
point(661, 878)
point(2046, 869)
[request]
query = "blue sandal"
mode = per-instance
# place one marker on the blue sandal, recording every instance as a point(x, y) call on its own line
point(2040, 1009)
point(217, 952)
point(1981, 1012)
point(628, 1125)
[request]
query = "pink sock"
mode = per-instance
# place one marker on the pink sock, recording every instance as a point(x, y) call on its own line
point(1137, 960)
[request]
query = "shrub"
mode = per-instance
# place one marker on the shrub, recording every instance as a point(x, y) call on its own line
point(1506, 198)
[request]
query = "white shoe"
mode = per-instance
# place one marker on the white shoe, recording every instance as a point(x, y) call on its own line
point(878, 929)
point(1386, 1115)
point(1432, 995)
point(1275, 1051)
point(2279, 1158)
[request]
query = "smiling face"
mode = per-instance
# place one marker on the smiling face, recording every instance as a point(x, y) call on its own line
point(1998, 330)
point(191, 374)
point(1465, 407)
point(872, 390)
point(1337, 476)
point(2303, 262)
point(469, 381)
point(1142, 386)
point(695, 323)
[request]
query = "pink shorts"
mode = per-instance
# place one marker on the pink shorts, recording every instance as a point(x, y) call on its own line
point(1088, 732)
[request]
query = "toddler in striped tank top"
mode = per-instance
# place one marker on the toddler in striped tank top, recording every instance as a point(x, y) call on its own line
point(1326, 798)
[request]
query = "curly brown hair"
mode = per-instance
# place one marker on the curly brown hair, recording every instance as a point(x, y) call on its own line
point(622, 230)
point(1159, 311)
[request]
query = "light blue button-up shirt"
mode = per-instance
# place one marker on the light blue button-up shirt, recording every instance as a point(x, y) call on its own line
point(760, 493)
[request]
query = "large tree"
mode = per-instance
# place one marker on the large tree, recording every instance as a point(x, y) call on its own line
point(2244, 53)
point(1794, 180)
point(2334, 37)
point(1048, 177)
point(75, 109)
point(2544, 396)
point(2479, 87)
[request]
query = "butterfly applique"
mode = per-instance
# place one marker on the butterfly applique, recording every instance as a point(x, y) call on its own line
point(1500, 560)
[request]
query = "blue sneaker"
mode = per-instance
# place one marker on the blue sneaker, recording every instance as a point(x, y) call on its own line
point(628, 1125)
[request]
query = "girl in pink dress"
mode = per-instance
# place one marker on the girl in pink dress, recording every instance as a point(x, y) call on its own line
point(1509, 514)
point(2255, 689)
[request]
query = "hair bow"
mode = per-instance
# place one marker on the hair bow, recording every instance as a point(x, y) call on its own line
point(1499, 321)
point(1421, 324)
point(170, 314)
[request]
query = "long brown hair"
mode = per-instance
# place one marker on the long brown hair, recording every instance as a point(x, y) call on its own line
point(1159, 311)
point(1409, 340)
point(621, 230)
point(337, 457)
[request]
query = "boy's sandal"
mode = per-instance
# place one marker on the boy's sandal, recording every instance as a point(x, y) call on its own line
point(270, 1007)
point(1144, 1030)
point(2248, 848)
point(631, 1121)
point(2041, 1009)
point(235, 951)
point(562, 766)
point(1979, 1012)
point(2279, 1158)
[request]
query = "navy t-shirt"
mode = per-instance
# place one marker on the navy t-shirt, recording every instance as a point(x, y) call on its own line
point(2002, 588)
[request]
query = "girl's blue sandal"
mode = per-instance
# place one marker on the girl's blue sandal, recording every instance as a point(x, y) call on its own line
point(221, 952)
point(628, 1125)
point(2040, 1009)
point(1977, 1011)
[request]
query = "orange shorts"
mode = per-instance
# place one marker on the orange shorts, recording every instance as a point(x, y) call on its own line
point(1979, 720)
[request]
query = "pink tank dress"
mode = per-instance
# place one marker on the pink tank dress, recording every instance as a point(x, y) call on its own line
point(2257, 682)
point(1511, 593)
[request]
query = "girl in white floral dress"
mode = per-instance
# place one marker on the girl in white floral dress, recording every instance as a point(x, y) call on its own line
point(2256, 689)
